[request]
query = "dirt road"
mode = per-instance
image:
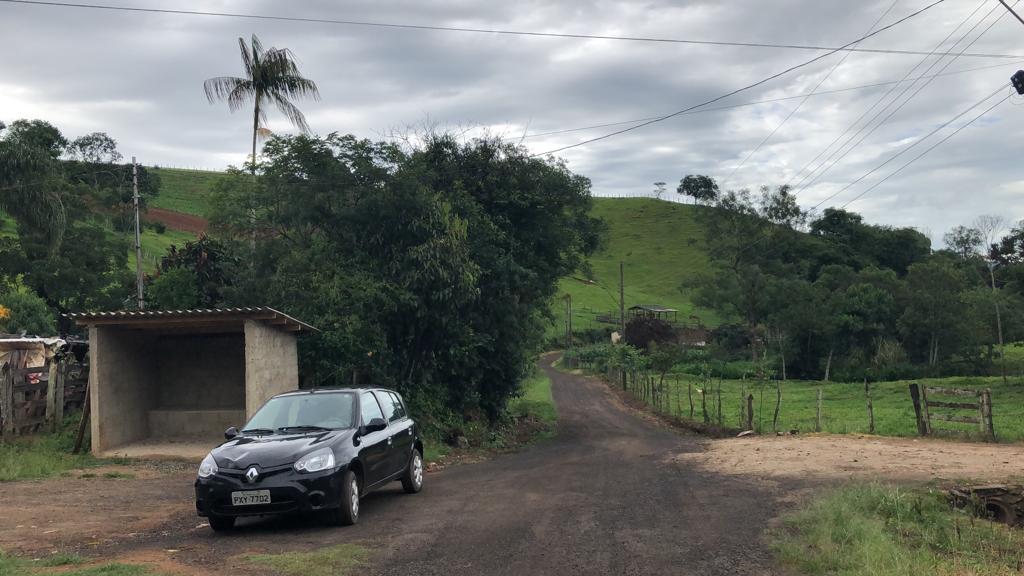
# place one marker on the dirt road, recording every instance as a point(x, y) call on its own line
point(605, 496)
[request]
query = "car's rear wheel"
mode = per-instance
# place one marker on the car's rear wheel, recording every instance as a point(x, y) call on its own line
point(221, 523)
point(347, 512)
point(412, 480)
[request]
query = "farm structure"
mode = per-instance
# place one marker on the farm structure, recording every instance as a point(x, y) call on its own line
point(168, 383)
point(655, 311)
point(41, 380)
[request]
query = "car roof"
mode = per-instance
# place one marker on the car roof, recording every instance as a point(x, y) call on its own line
point(332, 389)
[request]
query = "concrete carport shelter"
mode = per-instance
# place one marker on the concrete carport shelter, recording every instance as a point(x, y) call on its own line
point(167, 383)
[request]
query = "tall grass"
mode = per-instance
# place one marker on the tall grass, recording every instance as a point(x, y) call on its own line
point(844, 406)
point(862, 530)
point(42, 455)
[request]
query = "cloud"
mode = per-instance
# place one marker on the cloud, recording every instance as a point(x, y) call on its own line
point(139, 77)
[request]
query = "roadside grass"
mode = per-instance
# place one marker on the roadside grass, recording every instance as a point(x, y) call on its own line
point(536, 401)
point(186, 191)
point(844, 406)
point(63, 564)
point(661, 244)
point(43, 455)
point(862, 530)
point(331, 561)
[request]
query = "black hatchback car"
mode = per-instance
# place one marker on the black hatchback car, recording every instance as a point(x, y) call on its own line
point(311, 451)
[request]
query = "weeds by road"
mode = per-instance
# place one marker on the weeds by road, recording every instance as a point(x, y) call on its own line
point(65, 565)
point(330, 561)
point(876, 529)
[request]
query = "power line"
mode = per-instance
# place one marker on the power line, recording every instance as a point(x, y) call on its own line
point(738, 90)
point(728, 178)
point(929, 149)
point(1012, 11)
point(911, 146)
point(865, 114)
point(767, 101)
point(464, 29)
point(916, 92)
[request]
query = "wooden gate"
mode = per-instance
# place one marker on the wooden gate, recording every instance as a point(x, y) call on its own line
point(924, 400)
point(36, 399)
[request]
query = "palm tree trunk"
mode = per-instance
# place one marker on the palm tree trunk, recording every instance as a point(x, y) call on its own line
point(252, 188)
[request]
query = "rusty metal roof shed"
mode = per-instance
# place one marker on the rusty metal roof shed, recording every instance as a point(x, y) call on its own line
point(197, 320)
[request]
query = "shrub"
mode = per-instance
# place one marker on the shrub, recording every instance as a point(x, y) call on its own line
point(26, 312)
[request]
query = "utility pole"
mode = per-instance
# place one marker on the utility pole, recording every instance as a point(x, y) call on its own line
point(622, 301)
point(138, 237)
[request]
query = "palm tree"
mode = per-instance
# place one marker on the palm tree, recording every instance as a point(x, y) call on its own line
point(271, 76)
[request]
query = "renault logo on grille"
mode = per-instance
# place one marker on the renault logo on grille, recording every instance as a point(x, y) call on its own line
point(252, 474)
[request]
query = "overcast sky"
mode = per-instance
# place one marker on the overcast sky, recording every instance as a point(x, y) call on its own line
point(139, 77)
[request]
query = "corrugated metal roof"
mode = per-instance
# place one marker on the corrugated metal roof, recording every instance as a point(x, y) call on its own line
point(652, 308)
point(198, 315)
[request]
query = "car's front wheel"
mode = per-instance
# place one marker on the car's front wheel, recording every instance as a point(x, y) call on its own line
point(221, 523)
point(347, 512)
point(412, 480)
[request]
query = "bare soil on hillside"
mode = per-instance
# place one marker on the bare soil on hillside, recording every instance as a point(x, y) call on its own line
point(177, 220)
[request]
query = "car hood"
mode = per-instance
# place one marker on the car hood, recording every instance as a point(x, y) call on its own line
point(274, 450)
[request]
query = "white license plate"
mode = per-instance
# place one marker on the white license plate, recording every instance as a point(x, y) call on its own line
point(250, 497)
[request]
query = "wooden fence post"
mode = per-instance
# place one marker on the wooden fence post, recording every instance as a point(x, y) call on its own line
point(778, 404)
point(817, 416)
point(871, 408)
point(704, 404)
point(915, 397)
point(718, 395)
point(750, 412)
point(689, 393)
point(926, 416)
point(986, 414)
point(84, 422)
point(7, 397)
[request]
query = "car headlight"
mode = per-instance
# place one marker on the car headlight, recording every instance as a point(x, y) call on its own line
point(315, 461)
point(208, 467)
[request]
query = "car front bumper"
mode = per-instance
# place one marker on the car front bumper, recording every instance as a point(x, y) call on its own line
point(290, 492)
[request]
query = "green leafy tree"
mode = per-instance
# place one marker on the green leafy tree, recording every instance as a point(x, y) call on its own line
point(964, 241)
point(427, 269)
point(933, 318)
point(175, 289)
point(703, 189)
point(24, 312)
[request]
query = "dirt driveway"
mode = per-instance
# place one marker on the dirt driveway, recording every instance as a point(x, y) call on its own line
point(615, 492)
point(600, 498)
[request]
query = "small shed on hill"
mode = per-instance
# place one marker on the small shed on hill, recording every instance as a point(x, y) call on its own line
point(654, 311)
point(168, 383)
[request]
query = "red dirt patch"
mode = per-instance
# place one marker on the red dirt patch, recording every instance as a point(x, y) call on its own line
point(177, 220)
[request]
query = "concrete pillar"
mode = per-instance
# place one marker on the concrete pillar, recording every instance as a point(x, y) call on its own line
point(271, 364)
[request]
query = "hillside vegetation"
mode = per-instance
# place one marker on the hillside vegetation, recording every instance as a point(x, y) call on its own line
point(186, 191)
point(661, 245)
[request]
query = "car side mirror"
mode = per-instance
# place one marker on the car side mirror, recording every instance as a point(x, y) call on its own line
point(374, 425)
point(230, 433)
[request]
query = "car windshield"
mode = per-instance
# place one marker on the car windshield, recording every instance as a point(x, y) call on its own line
point(327, 410)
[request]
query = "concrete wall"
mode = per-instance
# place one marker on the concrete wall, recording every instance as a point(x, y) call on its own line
point(204, 424)
point(122, 386)
point(202, 372)
point(271, 364)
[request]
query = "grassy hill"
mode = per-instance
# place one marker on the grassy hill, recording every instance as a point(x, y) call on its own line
point(186, 191)
point(660, 243)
